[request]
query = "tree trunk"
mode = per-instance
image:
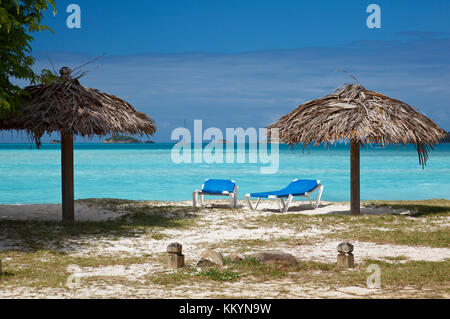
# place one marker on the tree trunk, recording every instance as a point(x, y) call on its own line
point(68, 208)
point(354, 179)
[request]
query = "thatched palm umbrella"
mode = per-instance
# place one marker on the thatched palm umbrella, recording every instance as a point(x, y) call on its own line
point(360, 116)
point(71, 109)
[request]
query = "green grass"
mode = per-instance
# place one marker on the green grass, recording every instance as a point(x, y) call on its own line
point(395, 258)
point(48, 269)
point(417, 274)
point(422, 228)
point(248, 269)
point(179, 277)
point(432, 277)
point(253, 269)
point(394, 275)
point(191, 275)
point(438, 238)
point(219, 275)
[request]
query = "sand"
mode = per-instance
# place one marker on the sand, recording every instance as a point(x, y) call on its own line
point(215, 226)
point(85, 212)
point(52, 212)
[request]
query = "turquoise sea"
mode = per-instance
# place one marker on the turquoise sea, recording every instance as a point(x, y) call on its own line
point(146, 172)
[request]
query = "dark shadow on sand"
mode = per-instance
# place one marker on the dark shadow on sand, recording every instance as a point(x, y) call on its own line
point(53, 235)
point(294, 208)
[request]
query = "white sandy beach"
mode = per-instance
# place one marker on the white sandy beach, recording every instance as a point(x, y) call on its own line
point(84, 212)
point(215, 227)
point(52, 212)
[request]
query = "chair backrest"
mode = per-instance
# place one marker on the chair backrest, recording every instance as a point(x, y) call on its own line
point(218, 186)
point(302, 185)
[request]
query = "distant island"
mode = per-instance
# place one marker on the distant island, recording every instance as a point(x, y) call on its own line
point(221, 141)
point(122, 139)
point(55, 142)
point(446, 139)
point(149, 141)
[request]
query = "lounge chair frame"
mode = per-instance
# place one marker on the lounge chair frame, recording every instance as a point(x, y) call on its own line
point(284, 205)
point(198, 194)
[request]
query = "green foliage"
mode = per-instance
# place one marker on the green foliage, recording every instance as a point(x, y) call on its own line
point(18, 20)
point(47, 77)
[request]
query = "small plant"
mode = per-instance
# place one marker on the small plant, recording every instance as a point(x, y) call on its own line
point(217, 275)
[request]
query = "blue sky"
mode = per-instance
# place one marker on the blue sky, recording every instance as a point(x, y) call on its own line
point(246, 63)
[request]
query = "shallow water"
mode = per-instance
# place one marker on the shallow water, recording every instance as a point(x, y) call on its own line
point(146, 171)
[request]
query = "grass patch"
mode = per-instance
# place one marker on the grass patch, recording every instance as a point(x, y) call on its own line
point(219, 275)
point(179, 277)
point(396, 258)
point(158, 236)
point(438, 238)
point(427, 227)
point(394, 275)
point(43, 269)
point(48, 269)
point(251, 268)
point(417, 274)
point(304, 222)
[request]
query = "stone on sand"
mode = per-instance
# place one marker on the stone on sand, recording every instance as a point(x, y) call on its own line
point(206, 263)
point(276, 257)
point(212, 256)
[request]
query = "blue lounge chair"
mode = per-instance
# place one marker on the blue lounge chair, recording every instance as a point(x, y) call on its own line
point(298, 187)
point(217, 187)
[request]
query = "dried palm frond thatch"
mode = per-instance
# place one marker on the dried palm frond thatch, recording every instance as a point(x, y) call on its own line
point(69, 107)
point(354, 113)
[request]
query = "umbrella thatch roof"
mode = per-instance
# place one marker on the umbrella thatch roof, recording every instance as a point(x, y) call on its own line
point(69, 107)
point(357, 114)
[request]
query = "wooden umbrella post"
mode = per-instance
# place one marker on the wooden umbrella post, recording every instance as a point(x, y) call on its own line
point(68, 209)
point(354, 179)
